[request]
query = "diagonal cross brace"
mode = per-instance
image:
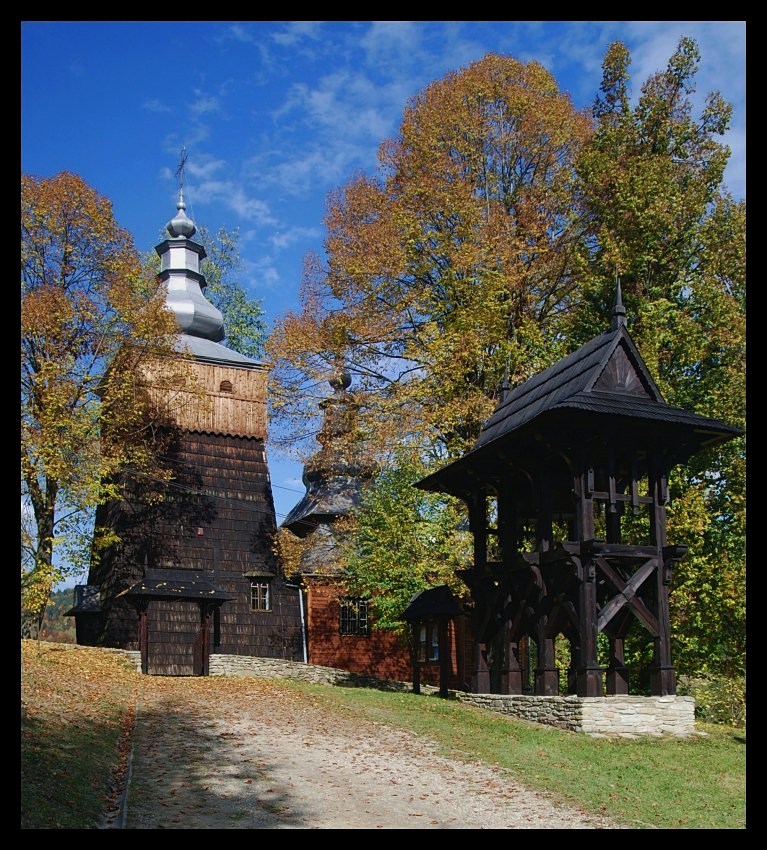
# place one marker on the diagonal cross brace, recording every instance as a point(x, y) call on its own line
point(627, 594)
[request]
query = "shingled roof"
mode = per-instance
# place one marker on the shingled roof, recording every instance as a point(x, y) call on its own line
point(176, 584)
point(432, 602)
point(606, 378)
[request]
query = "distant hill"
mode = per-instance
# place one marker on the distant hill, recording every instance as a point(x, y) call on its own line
point(56, 627)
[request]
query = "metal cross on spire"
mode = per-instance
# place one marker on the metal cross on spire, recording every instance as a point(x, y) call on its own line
point(180, 170)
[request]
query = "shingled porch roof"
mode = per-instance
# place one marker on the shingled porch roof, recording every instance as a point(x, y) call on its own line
point(176, 584)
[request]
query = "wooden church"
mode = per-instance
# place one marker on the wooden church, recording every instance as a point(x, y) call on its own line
point(566, 490)
point(196, 572)
point(340, 631)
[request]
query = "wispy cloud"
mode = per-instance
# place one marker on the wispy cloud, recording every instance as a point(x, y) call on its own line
point(260, 273)
point(238, 32)
point(235, 198)
point(296, 32)
point(156, 105)
point(387, 44)
point(290, 236)
point(297, 172)
point(203, 167)
point(203, 104)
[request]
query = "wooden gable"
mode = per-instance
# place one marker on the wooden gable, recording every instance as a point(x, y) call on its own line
point(625, 373)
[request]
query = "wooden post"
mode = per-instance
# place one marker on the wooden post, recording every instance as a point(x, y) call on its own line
point(480, 677)
point(511, 671)
point(572, 670)
point(546, 675)
point(617, 672)
point(204, 640)
point(416, 665)
point(480, 674)
point(662, 674)
point(444, 656)
point(588, 676)
point(143, 636)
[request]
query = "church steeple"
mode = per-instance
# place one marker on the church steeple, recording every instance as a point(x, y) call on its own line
point(619, 311)
point(180, 260)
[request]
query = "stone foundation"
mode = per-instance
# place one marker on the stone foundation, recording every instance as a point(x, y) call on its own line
point(624, 716)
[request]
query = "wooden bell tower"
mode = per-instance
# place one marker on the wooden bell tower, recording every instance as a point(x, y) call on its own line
point(566, 490)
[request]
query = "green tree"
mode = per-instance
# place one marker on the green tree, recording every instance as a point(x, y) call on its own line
point(244, 323)
point(404, 540)
point(651, 181)
point(89, 320)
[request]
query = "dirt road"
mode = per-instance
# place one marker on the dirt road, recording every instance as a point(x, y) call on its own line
point(243, 754)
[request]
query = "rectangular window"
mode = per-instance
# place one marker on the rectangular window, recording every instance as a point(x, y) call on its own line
point(428, 641)
point(260, 597)
point(354, 617)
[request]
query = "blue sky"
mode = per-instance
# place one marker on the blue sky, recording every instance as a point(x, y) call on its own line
point(274, 114)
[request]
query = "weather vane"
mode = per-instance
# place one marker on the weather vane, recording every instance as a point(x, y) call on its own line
point(180, 170)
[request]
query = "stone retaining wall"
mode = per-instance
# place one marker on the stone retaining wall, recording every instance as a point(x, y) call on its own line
point(624, 716)
point(277, 668)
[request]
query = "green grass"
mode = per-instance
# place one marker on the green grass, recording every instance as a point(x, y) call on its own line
point(77, 701)
point(671, 783)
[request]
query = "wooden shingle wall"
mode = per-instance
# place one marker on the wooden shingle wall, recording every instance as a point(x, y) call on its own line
point(217, 518)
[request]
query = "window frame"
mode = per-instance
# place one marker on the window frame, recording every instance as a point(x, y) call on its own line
point(260, 596)
point(428, 641)
point(353, 617)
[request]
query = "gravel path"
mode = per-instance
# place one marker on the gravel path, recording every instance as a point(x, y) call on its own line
point(242, 754)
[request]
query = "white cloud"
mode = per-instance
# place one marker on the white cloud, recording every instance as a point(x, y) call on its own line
point(285, 238)
point(390, 42)
point(238, 32)
point(321, 166)
point(156, 105)
point(204, 166)
point(203, 104)
point(234, 197)
point(260, 273)
point(295, 32)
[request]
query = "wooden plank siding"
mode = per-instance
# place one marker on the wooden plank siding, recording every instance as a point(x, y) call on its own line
point(381, 654)
point(239, 411)
point(172, 630)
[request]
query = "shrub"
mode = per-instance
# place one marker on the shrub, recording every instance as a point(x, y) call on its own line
point(718, 699)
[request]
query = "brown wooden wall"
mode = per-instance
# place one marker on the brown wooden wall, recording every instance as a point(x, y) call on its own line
point(172, 628)
point(239, 411)
point(379, 654)
point(218, 519)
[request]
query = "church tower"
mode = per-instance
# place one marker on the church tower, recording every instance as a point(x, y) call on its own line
point(195, 571)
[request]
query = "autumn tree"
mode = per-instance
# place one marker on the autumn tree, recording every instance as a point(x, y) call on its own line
point(661, 220)
point(491, 240)
point(446, 268)
point(89, 319)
